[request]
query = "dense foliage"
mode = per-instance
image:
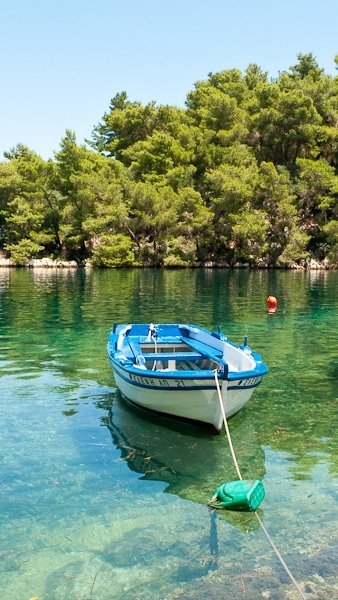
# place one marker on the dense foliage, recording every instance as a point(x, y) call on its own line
point(246, 173)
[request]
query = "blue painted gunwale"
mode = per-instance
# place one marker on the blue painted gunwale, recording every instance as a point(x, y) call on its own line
point(127, 370)
point(173, 376)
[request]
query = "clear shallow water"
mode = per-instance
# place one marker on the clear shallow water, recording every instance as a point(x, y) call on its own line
point(98, 501)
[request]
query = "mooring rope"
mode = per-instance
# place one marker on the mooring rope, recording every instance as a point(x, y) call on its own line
point(278, 554)
point(225, 421)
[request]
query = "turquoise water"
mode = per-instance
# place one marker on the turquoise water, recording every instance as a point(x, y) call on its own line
point(100, 502)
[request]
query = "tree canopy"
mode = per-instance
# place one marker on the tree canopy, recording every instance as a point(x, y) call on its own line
point(246, 173)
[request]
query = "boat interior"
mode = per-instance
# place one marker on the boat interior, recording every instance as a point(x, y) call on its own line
point(179, 355)
point(182, 349)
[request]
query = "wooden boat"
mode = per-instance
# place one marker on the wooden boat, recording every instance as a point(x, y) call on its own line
point(172, 369)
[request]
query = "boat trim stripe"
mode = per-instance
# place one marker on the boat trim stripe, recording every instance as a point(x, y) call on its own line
point(184, 387)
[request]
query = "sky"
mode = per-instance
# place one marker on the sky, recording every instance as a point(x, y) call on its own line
point(63, 60)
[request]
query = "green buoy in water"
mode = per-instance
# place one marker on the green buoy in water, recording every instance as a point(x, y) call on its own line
point(239, 495)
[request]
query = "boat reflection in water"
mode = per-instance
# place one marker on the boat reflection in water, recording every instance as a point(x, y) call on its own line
point(192, 460)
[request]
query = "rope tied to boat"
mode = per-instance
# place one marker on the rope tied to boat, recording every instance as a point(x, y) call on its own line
point(275, 549)
point(152, 334)
point(225, 421)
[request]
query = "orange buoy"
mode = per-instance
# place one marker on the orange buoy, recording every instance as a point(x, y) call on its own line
point(272, 304)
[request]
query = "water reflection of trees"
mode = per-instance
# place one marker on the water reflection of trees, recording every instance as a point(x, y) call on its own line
point(60, 319)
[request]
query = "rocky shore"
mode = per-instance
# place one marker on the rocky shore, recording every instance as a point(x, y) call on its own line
point(49, 263)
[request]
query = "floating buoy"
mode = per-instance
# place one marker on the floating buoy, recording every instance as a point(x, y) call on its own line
point(272, 304)
point(239, 495)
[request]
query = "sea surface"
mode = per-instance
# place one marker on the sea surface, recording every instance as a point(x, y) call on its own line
point(99, 501)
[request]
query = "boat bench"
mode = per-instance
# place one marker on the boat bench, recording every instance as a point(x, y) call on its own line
point(134, 347)
point(172, 355)
point(205, 350)
point(136, 351)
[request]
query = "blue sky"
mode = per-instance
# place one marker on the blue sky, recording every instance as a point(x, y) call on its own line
point(63, 60)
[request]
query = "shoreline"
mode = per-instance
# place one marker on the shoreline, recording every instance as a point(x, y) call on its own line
point(48, 263)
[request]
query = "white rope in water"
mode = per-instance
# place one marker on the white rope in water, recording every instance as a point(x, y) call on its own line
point(278, 554)
point(226, 426)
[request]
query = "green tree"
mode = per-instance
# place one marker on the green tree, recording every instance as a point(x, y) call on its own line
point(127, 123)
point(23, 250)
point(92, 197)
point(215, 110)
point(254, 76)
point(307, 66)
point(156, 158)
point(331, 232)
point(31, 213)
point(274, 196)
point(192, 234)
point(231, 190)
point(152, 217)
point(317, 191)
point(285, 126)
point(10, 182)
point(250, 229)
point(113, 250)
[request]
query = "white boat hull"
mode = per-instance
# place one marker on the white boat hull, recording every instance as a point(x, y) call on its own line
point(194, 399)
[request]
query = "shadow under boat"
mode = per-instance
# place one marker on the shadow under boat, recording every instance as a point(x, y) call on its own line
point(191, 459)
